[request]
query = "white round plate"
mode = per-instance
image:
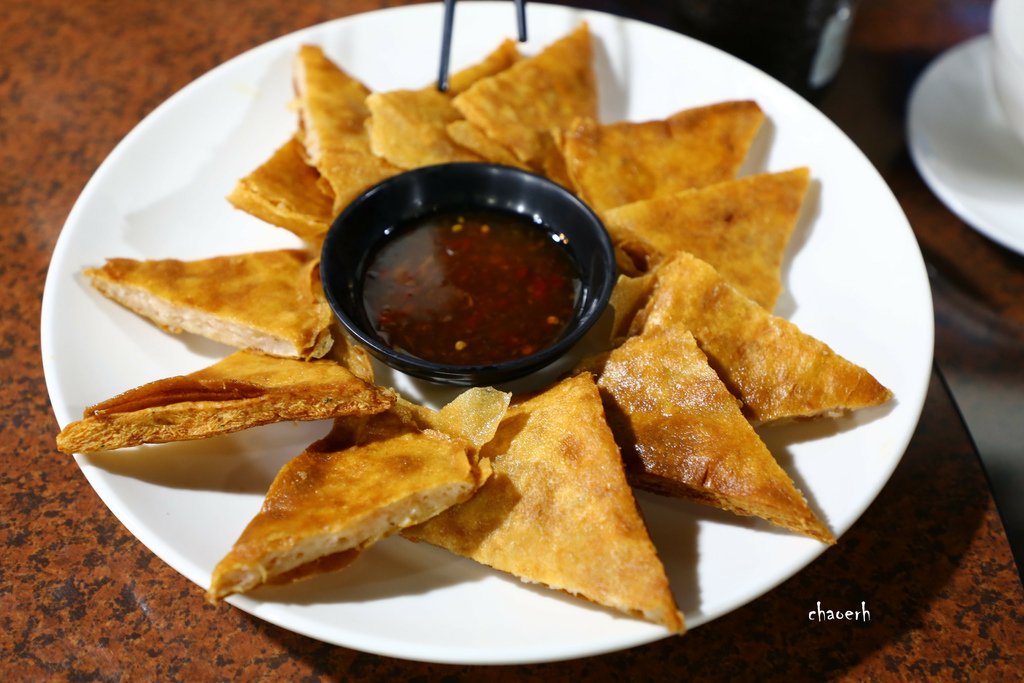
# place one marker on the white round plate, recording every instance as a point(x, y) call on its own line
point(854, 277)
point(963, 146)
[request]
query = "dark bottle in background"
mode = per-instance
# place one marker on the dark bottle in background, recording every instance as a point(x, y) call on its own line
point(799, 42)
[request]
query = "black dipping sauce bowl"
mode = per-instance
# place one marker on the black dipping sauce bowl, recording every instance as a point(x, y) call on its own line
point(359, 231)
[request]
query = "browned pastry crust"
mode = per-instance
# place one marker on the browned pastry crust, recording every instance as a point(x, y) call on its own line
point(286, 191)
point(466, 135)
point(332, 117)
point(682, 433)
point(557, 509)
point(270, 301)
point(741, 227)
point(518, 107)
point(369, 478)
point(334, 500)
point(408, 127)
point(620, 163)
point(244, 390)
point(775, 369)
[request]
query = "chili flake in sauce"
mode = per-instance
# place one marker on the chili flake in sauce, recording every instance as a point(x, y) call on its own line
point(474, 288)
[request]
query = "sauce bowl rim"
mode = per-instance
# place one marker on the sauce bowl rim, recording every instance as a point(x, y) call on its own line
point(595, 287)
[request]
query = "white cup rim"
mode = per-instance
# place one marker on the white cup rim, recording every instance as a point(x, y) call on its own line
point(1007, 21)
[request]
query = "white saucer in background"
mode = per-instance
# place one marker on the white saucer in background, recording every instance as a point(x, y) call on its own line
point(964, 147)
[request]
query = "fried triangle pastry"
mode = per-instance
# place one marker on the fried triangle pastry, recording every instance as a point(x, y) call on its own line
point(625, 162)
point(285, 191)
point(270, 301)
point(244, 390)
point(777, 371)
point(332, 116)
point(348, 352)
point(557, 509)
point(366, 480)
point(466, 135)
point(629, 296)
point(501, 58)
point(741, 227)
point(409, 127)
point(682, 433)
point(518, 107)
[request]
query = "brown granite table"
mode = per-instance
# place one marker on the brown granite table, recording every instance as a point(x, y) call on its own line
point(81, 599)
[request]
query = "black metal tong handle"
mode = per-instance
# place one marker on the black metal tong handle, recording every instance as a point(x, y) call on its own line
point(446, 37)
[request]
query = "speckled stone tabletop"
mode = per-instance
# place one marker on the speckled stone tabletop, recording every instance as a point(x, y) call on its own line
point(82, 599)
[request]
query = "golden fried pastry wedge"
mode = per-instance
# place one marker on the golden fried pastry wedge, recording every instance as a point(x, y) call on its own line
point(621, 163)
point(349, 174)
point(468, 136)
point(270, 301)
point(518, 107)
point(331, 105)
point(775, 369)
point(682, 433)
point(557, 509)
point(408, 127)
point(348, 352)
point(244, 390)
point(741, 227)
point(629, 296)
point(501, 58)
point(332, 114)
point(285, 191)
point(365, 481)
point(334, 500)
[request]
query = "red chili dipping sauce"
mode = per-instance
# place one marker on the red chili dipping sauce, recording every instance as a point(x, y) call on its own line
point(472, 288)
